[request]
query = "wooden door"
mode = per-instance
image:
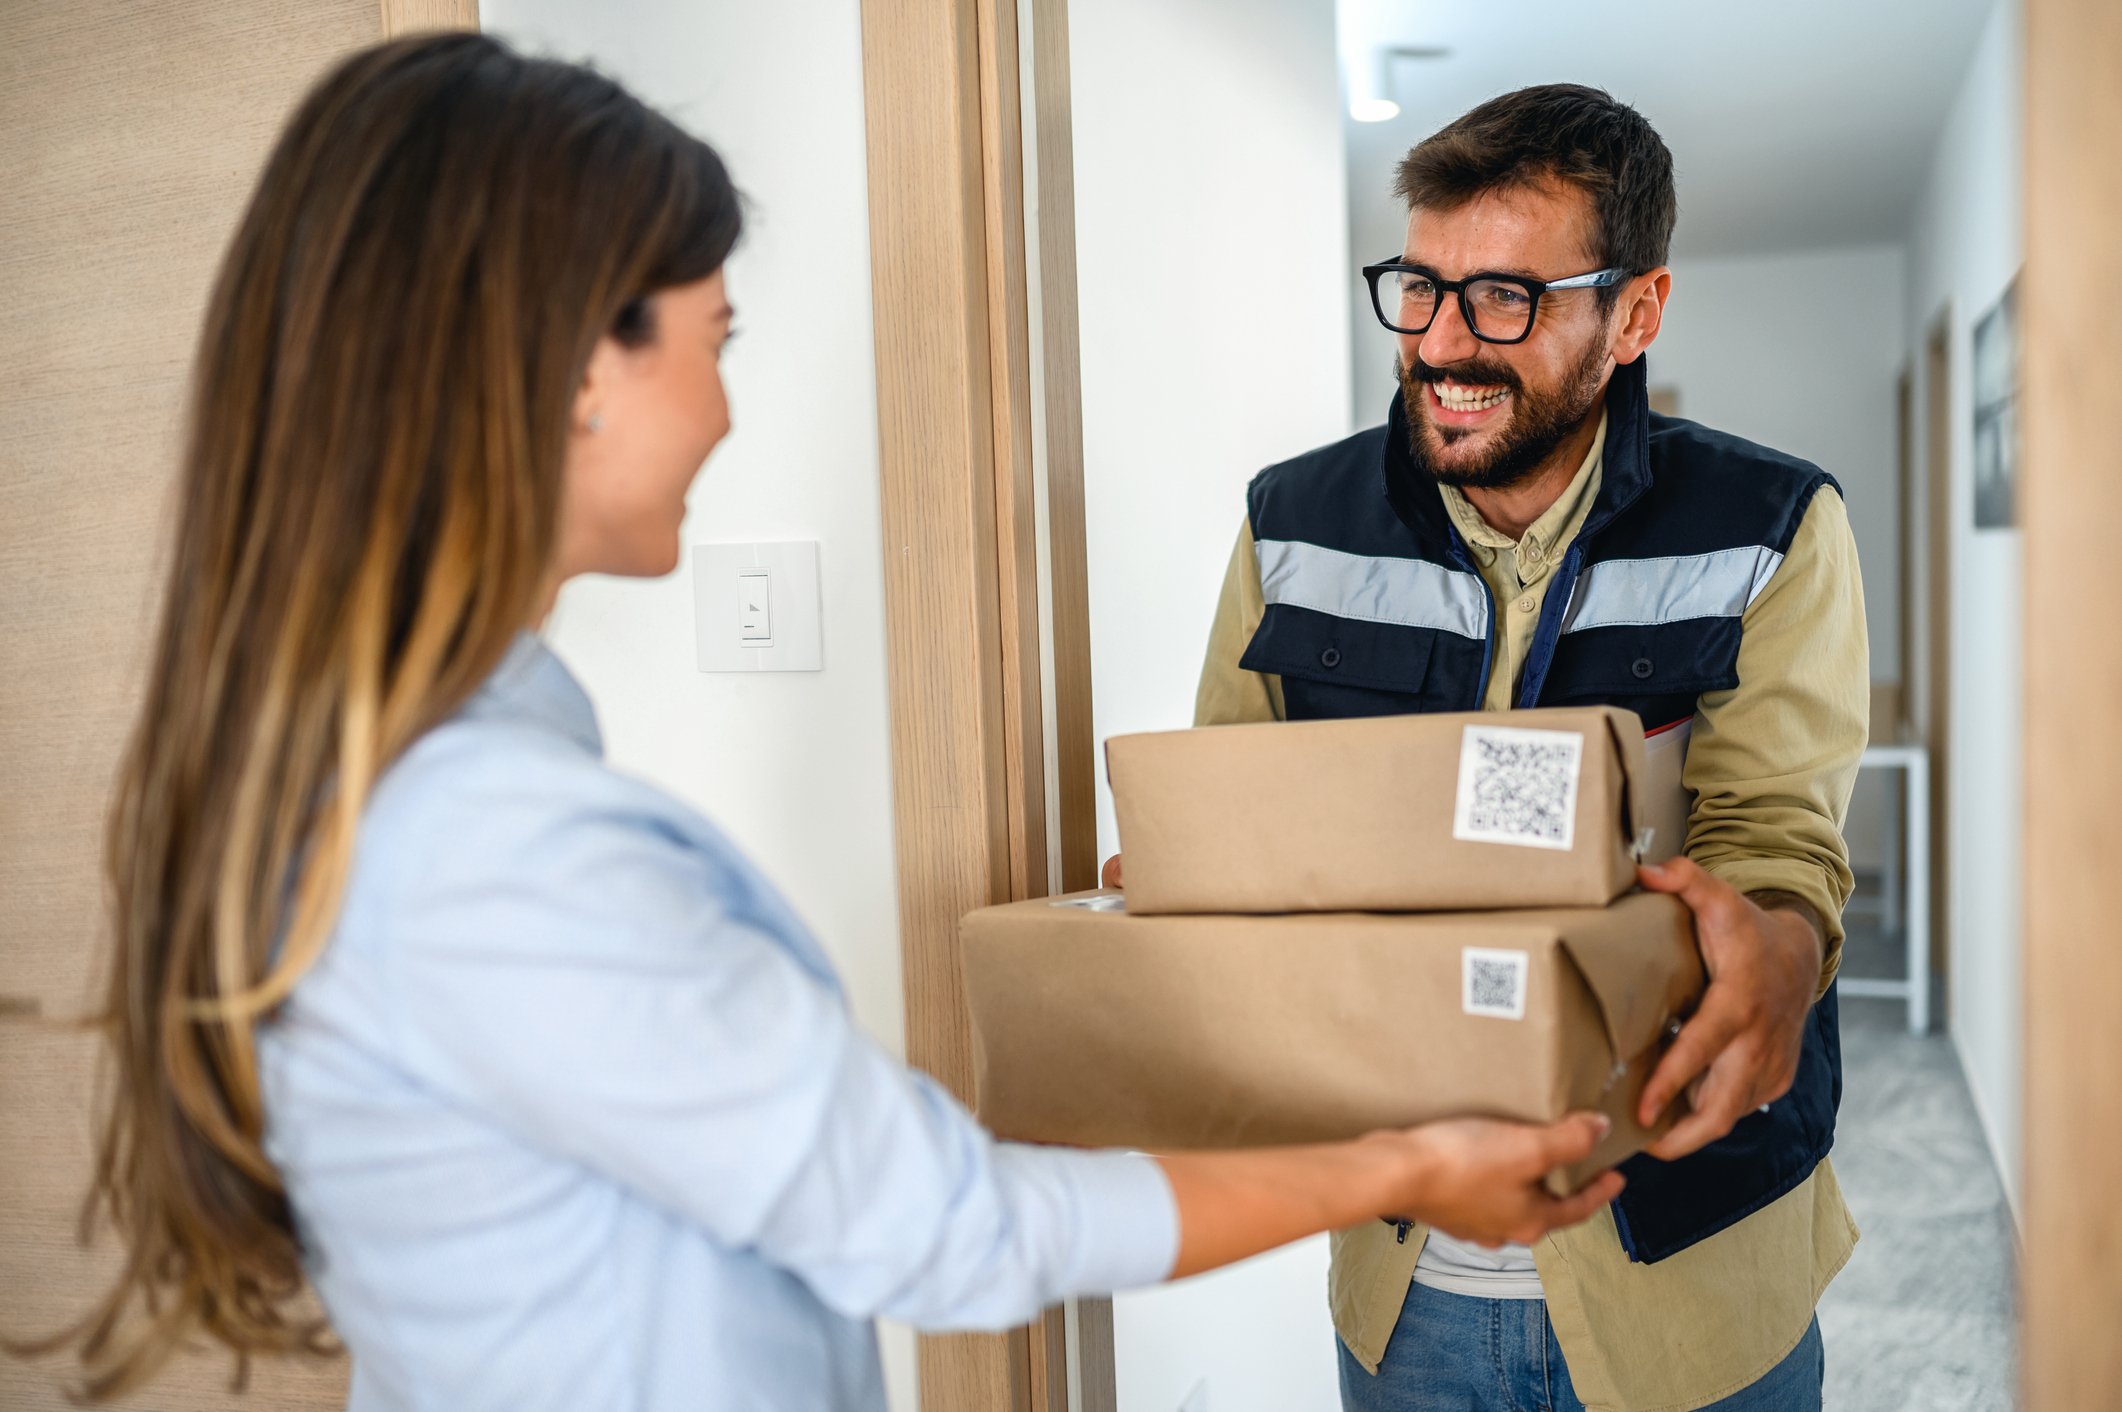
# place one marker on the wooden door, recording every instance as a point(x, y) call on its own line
point(2071, 499)
point(133, 131)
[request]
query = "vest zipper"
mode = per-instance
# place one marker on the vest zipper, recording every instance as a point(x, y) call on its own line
point(1400, 1230)
point(1465, 559)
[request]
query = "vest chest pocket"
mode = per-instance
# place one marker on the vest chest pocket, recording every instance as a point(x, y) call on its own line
point(1333, 668)
point(1677, 660)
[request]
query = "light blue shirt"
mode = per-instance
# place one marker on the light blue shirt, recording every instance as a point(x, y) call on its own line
point(573, 1115)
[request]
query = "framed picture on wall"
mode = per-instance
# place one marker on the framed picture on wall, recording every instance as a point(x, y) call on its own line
point(1996, 373)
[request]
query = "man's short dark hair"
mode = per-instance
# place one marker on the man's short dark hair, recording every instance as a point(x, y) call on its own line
point(1557, 132)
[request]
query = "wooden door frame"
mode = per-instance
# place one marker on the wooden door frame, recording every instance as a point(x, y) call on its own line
point(1909, 619)
point(411, 16)
point(1940, 508)
point(2071, 501)
point(988, 645)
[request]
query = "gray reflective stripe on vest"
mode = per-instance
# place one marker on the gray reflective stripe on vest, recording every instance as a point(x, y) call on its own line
point(1646, 592)
point(1411, 593)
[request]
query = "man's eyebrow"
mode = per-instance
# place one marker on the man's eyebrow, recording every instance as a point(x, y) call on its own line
point(1515, 272)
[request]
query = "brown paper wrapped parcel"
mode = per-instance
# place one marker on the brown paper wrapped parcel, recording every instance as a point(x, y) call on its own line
point(1541, 808)
point(1098, 1026)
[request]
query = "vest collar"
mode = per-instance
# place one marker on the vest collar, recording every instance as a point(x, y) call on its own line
point(1624, 477)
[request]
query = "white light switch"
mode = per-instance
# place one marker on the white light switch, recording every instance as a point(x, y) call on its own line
point(756, 607)
point(755, 611)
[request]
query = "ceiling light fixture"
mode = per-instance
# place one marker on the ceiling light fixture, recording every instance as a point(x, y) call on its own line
point(1370, 88)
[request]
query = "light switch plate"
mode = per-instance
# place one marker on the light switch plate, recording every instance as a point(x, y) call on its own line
point(756, 607)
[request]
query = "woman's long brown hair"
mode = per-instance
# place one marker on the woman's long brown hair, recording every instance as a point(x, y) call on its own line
point(370, 491)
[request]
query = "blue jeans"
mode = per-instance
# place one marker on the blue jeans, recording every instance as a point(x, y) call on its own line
point(1453, 1353)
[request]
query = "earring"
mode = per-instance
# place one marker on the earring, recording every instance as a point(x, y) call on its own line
point(596, 422)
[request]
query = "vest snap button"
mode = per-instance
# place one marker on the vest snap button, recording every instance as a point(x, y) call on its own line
point(1331, 657)
point(1641, 667)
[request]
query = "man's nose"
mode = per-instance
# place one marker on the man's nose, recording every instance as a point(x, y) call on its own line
point(1447, 340)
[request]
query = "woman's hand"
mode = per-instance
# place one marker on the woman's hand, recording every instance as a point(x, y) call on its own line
point(1475, 1178)
point(1482, 1180)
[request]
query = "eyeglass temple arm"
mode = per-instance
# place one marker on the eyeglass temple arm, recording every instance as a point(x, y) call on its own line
point(1597, 279)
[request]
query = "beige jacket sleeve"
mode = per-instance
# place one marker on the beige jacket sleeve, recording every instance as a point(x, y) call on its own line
point(1229, 695)
point(1773, 760)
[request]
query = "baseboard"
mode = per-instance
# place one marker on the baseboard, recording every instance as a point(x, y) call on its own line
point(2007, 1179)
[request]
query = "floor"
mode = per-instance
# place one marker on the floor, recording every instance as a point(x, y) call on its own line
point(1921, 1320)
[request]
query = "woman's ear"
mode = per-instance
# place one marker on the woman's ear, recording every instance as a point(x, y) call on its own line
point(586, 418)
point(1642, 313)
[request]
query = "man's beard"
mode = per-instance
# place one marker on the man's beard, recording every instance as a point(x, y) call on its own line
point(1539, 421)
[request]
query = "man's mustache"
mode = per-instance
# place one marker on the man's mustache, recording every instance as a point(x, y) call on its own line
point(1473, 374)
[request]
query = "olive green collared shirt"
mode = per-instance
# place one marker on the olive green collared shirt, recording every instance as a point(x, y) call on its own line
point(1770, 765)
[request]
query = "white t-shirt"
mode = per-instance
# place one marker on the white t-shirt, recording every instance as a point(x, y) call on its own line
point(1461, 1267)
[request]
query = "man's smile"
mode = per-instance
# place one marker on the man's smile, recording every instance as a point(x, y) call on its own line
point(1456, 404)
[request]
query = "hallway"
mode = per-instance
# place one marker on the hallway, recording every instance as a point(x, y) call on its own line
point(1922, 1318)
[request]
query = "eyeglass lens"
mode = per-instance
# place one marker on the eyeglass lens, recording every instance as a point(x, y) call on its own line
point(1408, 302)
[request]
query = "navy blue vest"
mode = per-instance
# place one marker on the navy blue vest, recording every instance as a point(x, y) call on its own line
point(1375, 607)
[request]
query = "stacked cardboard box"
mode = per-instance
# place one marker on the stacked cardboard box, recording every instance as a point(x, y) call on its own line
point(1332, 927)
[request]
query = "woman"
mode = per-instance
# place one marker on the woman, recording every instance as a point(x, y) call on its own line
point(552, 1099)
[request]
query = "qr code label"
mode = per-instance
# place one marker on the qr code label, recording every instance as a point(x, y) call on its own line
point(1518, 786)
point(1493, 982)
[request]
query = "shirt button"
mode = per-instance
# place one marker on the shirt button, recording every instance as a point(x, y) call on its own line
point(1331, 657)
point(1641, 667)
point(1526, 604)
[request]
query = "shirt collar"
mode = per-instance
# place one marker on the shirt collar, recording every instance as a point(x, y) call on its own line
point(1556, 523)
point(534, 686)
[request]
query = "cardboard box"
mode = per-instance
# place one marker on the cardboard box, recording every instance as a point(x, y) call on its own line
point(1389, 814)
point(1095, 1027)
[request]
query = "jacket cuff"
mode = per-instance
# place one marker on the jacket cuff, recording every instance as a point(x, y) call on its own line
point(1800, 880)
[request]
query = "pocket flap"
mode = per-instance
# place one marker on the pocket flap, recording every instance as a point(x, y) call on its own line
point(1317, 647)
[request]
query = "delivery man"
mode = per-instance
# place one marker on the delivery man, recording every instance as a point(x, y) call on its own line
point(1524, 531)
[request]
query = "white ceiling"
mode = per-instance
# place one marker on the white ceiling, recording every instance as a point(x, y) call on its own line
point(1793, 123)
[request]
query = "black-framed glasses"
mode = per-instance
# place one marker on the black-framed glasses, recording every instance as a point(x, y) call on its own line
point(1497, 308)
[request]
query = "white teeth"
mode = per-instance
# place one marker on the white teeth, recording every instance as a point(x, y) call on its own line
point(1465, 399)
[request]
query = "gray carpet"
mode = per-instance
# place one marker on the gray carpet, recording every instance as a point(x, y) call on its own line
point(1922, 1318)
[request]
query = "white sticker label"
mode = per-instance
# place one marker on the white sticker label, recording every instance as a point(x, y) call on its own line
point(1518, 786)
point(1103, 902)
point(1493, 982)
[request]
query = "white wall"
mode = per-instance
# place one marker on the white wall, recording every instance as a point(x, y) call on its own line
point(1377, 231)
point(795, 766)
point(1964, 247)
point(1211, 214)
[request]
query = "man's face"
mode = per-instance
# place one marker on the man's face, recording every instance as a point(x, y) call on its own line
point(1487, 414)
